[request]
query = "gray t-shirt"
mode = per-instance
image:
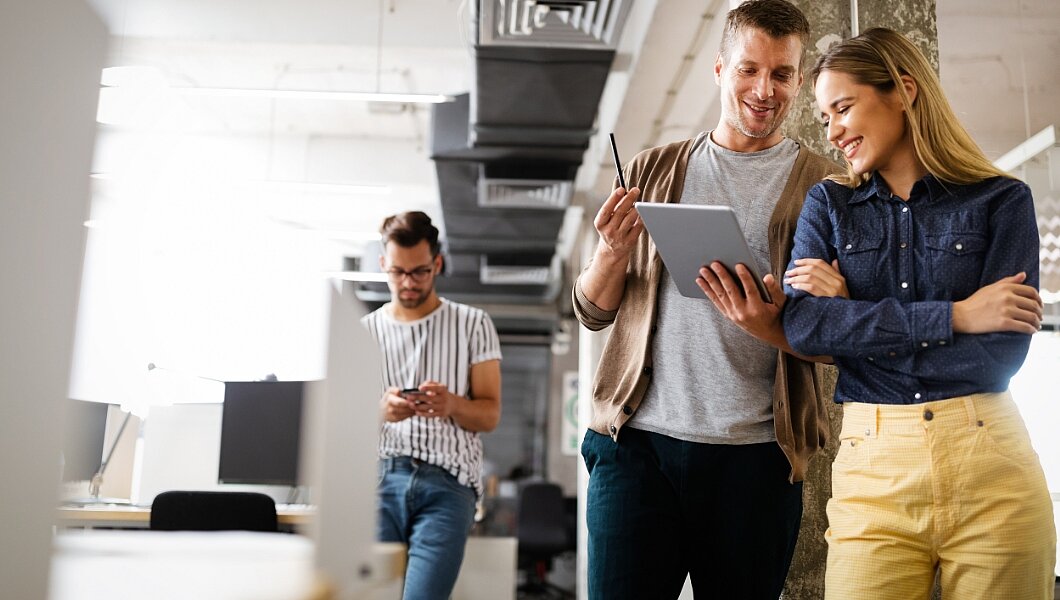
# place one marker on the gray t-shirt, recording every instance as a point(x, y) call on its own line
point(711, 381)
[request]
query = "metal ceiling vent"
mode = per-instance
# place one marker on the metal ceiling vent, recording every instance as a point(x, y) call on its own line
point(518, 269)
point(524, 193)
point(553, 23)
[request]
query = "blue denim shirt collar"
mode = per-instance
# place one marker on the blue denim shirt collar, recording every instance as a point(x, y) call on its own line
point(876, 186)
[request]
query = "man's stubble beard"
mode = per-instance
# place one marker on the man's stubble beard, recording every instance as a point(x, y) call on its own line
point(417, 301)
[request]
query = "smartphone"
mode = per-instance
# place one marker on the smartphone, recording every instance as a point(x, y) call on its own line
point(414, 394)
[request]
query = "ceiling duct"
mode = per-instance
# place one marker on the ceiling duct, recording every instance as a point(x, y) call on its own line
point(524, 193)
point(584, 24)
point(519, 269)
point(507, 153)
point(529, 185)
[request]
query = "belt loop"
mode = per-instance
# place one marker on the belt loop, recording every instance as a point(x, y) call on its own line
point(969, 407)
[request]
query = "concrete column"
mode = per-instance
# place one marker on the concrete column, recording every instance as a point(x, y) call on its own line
point(830, 22)
point(913, 18)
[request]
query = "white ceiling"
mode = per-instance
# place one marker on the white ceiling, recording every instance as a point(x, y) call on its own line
point(990, 52)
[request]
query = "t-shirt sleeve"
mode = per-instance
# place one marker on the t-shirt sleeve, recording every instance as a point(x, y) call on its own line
point(485, 343)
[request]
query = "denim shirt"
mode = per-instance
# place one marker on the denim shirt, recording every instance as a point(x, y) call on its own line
point(905, 263)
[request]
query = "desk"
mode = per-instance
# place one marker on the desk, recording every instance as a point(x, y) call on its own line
point(205, 565)
point(139, 517)
point(488, 571)
point(163, 565)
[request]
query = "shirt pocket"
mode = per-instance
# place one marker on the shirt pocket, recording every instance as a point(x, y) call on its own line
point(956, 260)
point(859, 261)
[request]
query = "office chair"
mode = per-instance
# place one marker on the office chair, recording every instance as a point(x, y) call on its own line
point(543, 533)
point(213, 511)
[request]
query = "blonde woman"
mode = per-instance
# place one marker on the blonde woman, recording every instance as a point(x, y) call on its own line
point(917, 271)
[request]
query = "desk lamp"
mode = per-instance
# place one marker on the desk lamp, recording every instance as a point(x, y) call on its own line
point(97, 478)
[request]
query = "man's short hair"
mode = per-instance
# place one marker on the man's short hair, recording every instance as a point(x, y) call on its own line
point(410, 228)
point(776, 18)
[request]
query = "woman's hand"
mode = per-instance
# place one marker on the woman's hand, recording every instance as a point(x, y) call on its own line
point(817, 278)
point(1007, 305)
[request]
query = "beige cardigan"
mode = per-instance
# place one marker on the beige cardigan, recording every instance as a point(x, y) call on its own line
point(800, 417)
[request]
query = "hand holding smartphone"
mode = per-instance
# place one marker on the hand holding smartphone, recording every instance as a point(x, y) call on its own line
point(415, 394)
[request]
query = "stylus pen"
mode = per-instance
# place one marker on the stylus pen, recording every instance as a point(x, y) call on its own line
point(618, 163)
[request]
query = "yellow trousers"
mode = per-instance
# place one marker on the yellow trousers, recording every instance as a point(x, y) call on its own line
point(952, 485)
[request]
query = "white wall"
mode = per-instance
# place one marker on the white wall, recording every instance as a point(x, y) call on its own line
point(51, 52)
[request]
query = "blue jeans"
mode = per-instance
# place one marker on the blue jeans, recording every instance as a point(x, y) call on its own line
point(425, 508)
point(660, 508)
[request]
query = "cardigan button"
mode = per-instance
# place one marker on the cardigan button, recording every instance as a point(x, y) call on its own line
point(627, 410)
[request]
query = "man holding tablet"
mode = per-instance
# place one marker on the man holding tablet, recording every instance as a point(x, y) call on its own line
point(703, 419)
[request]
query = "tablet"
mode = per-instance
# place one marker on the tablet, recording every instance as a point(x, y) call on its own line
point(690, 236)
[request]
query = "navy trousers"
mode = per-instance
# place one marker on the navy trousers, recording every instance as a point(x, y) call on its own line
point(660, 509)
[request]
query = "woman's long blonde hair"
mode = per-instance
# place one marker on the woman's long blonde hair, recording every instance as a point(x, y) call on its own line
point(879, 57)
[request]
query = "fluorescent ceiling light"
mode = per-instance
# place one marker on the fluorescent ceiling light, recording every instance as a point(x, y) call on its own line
point(312, 95)
point(1031, 147)
point(293, 186)
point(363, 237)
point(366, 276)
point(133, 76)
point(333, 188)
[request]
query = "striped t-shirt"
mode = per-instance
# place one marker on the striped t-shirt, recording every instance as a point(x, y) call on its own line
point(441, 347)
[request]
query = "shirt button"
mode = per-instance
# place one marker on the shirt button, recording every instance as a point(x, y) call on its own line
point(892, 353)
point(942, 342)
point(923, 344)
point(849, 246)
point(959, 246)
point(627, 410)
point(917, 395)
point(905, 209)
point(902, 245)
point(872, 359)
point(904, 285)
point(928, 415)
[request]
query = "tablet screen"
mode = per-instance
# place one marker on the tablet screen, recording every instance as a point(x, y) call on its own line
point(690, 236)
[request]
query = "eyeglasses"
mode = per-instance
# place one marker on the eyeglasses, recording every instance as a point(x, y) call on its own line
point(418, 275)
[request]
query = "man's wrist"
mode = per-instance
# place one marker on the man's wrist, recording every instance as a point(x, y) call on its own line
point(456, 406)
point(609, 258)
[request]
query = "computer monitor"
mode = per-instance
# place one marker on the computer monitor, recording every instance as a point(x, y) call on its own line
point(261, 424)
point(86, 424)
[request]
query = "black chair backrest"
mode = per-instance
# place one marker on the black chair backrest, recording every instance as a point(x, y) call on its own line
point(542, 522)
point(213, 511)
